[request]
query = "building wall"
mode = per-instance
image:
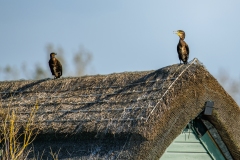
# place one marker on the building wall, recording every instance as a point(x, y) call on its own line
point(188, 146)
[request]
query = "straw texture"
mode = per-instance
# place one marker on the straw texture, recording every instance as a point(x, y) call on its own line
point(129, 115)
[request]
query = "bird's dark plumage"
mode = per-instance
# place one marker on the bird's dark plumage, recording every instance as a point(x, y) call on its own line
point(182, 47)
point(55, 66)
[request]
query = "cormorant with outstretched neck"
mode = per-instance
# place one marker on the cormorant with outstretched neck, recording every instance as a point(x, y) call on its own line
point(55, 66)
point(182, 47)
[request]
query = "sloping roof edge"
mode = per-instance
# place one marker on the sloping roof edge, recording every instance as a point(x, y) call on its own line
point(172, 105)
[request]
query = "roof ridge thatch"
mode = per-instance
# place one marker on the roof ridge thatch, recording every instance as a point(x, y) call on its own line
point(154, 105)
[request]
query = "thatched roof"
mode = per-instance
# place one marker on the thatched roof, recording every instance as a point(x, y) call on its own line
point(129, 115)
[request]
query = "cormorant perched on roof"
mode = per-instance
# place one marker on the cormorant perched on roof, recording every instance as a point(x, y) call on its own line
point(55, 66)
point(182, 47)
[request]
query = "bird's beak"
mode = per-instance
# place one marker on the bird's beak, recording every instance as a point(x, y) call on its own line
point(175, 32)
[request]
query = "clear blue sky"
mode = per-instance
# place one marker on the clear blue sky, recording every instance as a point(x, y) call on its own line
point(122, 35)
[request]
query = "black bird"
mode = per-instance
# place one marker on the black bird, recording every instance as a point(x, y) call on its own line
point(182, 47)
point(55, 66)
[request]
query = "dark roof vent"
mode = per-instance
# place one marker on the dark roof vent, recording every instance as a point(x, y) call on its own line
point(208, 107)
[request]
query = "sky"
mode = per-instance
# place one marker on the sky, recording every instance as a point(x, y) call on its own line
point(122, 35)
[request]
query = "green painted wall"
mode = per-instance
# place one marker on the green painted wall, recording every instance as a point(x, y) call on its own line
point(187, 146)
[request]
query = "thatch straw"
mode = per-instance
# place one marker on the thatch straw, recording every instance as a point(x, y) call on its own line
point(148, 108)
